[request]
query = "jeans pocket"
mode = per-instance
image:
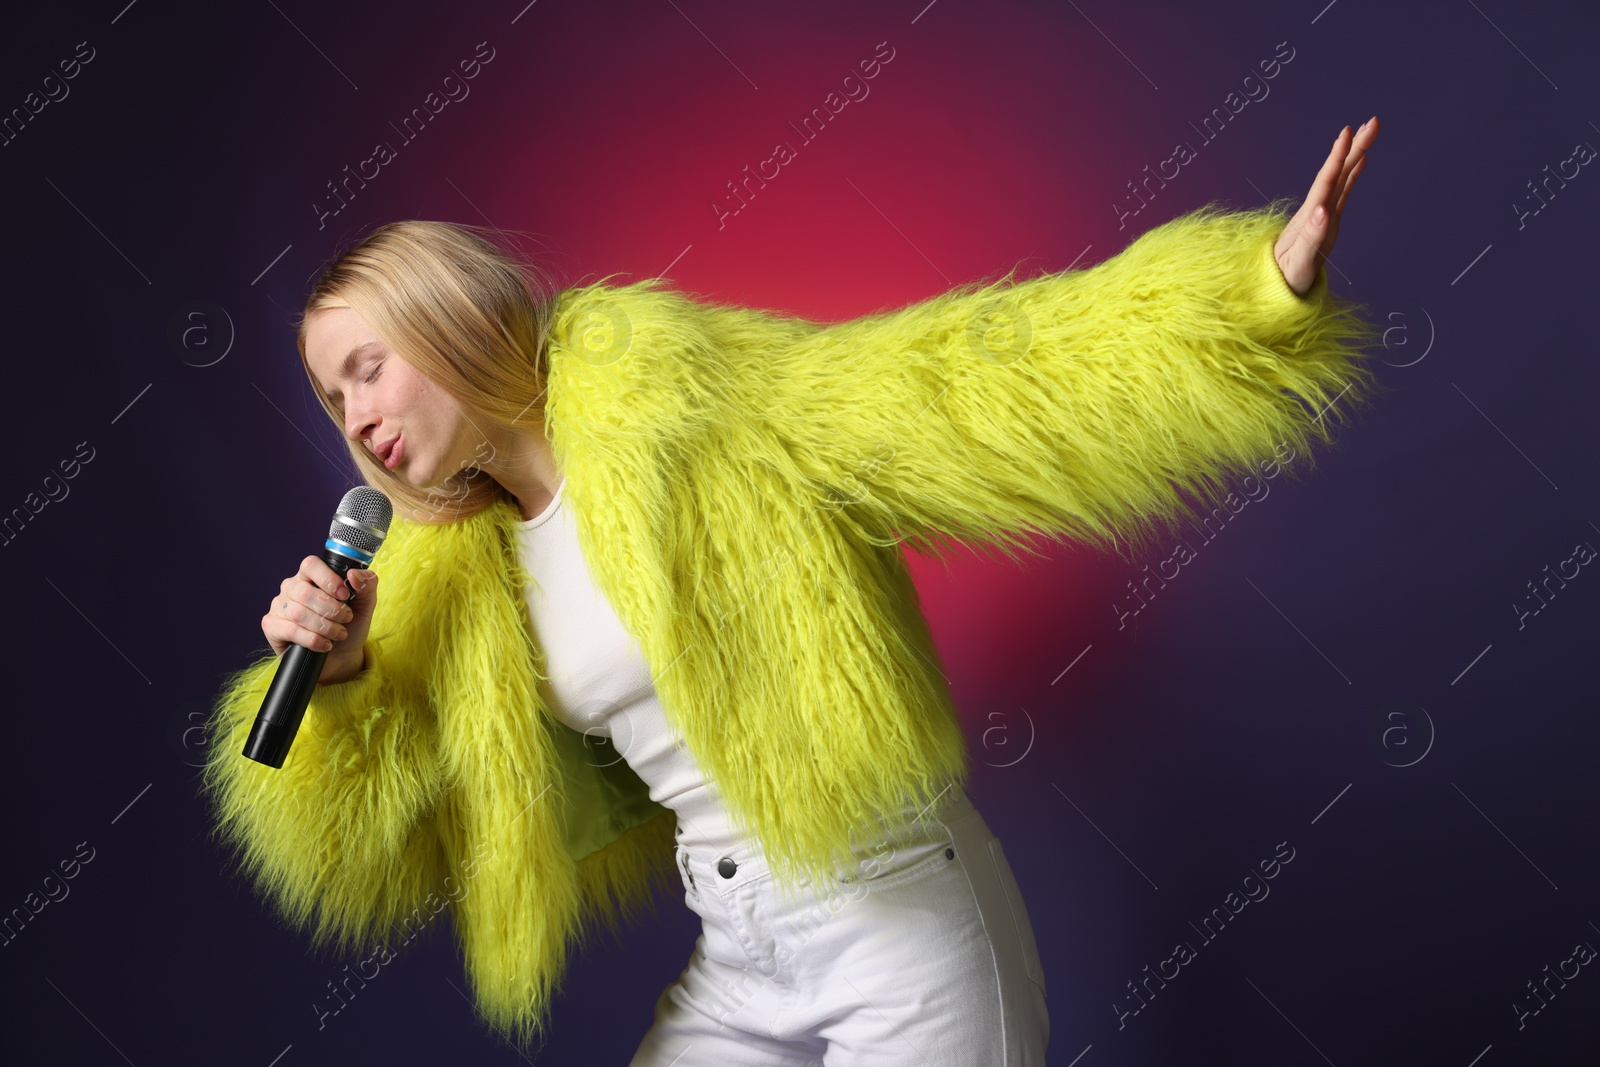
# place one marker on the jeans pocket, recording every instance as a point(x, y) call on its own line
point(894, 863)
point(1019, 913)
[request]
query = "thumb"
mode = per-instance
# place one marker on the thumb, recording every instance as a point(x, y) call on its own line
point(365, 599)
point(1313, 229)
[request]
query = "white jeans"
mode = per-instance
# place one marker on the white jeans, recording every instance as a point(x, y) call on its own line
point(921, 955)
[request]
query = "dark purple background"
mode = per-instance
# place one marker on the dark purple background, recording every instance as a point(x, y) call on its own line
point(1353, 620)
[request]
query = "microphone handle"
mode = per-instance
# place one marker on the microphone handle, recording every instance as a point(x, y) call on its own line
point(284, 706)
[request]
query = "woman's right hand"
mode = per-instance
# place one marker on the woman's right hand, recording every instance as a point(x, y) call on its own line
point(315, 608)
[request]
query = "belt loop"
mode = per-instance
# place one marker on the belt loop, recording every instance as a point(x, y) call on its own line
point(683, 861)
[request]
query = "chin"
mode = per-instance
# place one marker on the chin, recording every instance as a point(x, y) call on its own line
point(431, 483)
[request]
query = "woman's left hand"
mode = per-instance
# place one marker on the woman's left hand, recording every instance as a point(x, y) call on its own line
point(1308, 239)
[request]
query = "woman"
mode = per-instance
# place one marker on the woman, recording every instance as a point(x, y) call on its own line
point(623, 515)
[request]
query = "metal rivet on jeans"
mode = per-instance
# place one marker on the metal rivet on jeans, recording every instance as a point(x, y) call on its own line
point(949, 853)
point(726, 867)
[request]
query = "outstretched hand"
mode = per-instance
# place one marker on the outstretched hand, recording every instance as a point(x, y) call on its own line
point(1308, 238)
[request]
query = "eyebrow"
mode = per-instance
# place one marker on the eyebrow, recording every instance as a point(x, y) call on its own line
point(349, 365)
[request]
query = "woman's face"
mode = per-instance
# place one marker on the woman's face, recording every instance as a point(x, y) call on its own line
point(391, 408)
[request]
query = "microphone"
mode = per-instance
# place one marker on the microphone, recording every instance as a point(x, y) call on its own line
point(357, 532)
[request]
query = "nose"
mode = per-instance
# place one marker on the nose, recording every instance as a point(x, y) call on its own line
point(360, 424)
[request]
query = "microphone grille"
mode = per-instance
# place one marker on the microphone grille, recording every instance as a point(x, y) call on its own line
point(363, 518)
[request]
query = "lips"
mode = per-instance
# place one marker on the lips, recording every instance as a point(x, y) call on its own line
point(388, 452)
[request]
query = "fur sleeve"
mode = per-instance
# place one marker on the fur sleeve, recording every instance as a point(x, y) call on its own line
point(340, 839)
point(1091, 403)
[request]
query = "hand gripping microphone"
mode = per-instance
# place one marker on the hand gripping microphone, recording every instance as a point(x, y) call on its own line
point(357, 532)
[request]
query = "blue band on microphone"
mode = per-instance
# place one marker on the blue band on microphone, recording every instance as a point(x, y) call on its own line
point(352, 551)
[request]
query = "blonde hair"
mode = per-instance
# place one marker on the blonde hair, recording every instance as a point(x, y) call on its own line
point(468, 314)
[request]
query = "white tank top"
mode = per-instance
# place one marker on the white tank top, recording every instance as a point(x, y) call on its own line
point(599, 683)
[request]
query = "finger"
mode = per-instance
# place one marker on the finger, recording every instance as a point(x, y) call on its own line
point(1358, 152)
point(1304, 227)
point(1323, 185)
point(329, 623)
point(366, 585)
point(324, 577)
point(318, 602)
point(282, 633)
point(1349, 184)
point(295, 608)
point(306, 618)
point(1364, 136)
point(269, 627)
point(315, 642)
point(1305, 234)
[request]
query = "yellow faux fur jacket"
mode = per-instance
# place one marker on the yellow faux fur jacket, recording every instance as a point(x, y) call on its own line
point(742, 484)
